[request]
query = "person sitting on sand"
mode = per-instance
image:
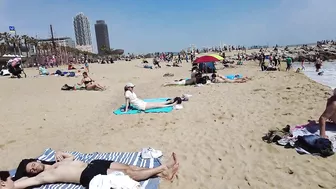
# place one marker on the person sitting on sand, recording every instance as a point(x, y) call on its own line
point(215, 78)
point(195, 75)
point(68, 170)
point(328, 114)
point(43, 70)
point(90, 83)
point(132, 99)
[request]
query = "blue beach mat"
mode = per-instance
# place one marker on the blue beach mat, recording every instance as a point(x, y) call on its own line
point(232, 76)
point(129, 158)
point(133, 110)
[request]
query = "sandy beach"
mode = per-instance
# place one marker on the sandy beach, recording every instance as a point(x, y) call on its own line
point(217, 136)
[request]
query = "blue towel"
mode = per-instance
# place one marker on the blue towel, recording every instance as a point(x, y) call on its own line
point(129, 158)
point(232, 76)
point(133, 110)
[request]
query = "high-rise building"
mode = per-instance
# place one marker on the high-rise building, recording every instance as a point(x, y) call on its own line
point(82, 30)
point(102, 36)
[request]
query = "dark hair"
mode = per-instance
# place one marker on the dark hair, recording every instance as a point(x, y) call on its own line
point(85, 73)
point(194, 69)
point(213, 75)
point(21, 169)
point(4, 175)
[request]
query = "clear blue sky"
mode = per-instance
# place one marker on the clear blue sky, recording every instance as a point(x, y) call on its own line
point(170, 25)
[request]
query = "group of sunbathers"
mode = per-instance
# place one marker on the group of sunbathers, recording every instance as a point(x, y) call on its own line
point(32, 172)
point(198, 78)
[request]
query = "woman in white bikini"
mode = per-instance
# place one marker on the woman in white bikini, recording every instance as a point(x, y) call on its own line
point(132, 99)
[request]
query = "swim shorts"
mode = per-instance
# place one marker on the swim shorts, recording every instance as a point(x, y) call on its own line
point(93, 169)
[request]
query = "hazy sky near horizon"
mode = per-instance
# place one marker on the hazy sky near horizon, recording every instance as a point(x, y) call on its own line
point(170, 25)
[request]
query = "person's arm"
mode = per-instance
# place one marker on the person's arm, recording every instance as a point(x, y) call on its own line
point(81, 83)
point(126, 104)
point(42, 178)
point(328, 112)
point(91, 79)
point(63, 156)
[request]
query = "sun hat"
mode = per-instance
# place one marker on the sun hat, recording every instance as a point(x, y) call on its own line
point(129, 85)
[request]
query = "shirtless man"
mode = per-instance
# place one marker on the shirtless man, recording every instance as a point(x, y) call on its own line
point(328, 114)
point(220, 79)
point(68, 170)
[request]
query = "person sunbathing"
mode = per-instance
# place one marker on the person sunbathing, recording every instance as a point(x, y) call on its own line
point(132, 99)
point(68, 170)
point(215, 78)
point(90, 83)
point(43, 70)
point(328, 114)
point(195, 75)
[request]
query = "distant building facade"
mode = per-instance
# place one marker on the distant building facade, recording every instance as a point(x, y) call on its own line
point(87, 48)
point(61, 41)
point(82, 30)
point(102, 36)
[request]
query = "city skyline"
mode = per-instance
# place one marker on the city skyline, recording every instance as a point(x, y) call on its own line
point(176, 25)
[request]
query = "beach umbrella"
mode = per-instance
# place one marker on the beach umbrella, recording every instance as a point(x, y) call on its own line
point(208, 58)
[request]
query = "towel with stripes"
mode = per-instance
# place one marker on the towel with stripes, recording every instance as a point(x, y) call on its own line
point(129, 158)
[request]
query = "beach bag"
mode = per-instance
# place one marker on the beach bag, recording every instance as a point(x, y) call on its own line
point(316, 145)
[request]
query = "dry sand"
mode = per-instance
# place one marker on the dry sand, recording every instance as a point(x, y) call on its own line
point(217, 136)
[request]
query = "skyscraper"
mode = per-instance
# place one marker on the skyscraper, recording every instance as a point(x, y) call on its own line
point(82, 31)
point(102, 36)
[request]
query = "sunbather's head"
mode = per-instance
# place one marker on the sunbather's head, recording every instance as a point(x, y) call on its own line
point(194, 69)
point(129, 87)
point(30, 168)
point(6, 180)
point(213, 76)
point(85, 74)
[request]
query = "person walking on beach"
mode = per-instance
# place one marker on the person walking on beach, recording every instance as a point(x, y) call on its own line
point(179, 58)
point(318, 64)
point(289, 61)
point(302, 64)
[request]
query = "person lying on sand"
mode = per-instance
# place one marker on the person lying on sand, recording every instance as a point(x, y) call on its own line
point(132, 99)
point(328, 114)
point(90, 83)
point(68, 170)
point(215, 78)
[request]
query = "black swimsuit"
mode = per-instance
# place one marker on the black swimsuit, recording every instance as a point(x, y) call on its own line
point(93, 169)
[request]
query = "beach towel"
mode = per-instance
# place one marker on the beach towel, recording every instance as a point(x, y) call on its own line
point(232, 76)
point(129, 158)
point(133, 110)
point(314, 129)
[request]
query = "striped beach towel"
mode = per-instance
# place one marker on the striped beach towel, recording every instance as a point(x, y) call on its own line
point(129, 158)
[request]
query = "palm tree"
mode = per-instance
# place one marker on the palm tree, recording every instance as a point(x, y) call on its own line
point(3, 49)
point(26, 41)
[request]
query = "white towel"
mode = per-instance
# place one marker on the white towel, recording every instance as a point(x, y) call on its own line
point(115, 180)
point(147, 153)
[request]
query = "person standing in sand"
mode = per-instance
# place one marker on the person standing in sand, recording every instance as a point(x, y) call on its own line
point(328, 114)
point(289, 61)
point(68, 170)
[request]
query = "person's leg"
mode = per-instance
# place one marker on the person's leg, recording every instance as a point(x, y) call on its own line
point(140, 175)
point(120, 166)
point(150, 105)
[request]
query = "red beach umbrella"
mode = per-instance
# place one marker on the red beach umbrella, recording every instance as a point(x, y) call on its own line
point(207, 58)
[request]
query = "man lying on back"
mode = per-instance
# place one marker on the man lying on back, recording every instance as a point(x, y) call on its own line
point(68, 170)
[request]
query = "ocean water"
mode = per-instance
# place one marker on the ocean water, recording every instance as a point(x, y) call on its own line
point(329, 76)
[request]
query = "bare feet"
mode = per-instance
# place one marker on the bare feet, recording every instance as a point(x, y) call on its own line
point(170, 173)
point(172, 161)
